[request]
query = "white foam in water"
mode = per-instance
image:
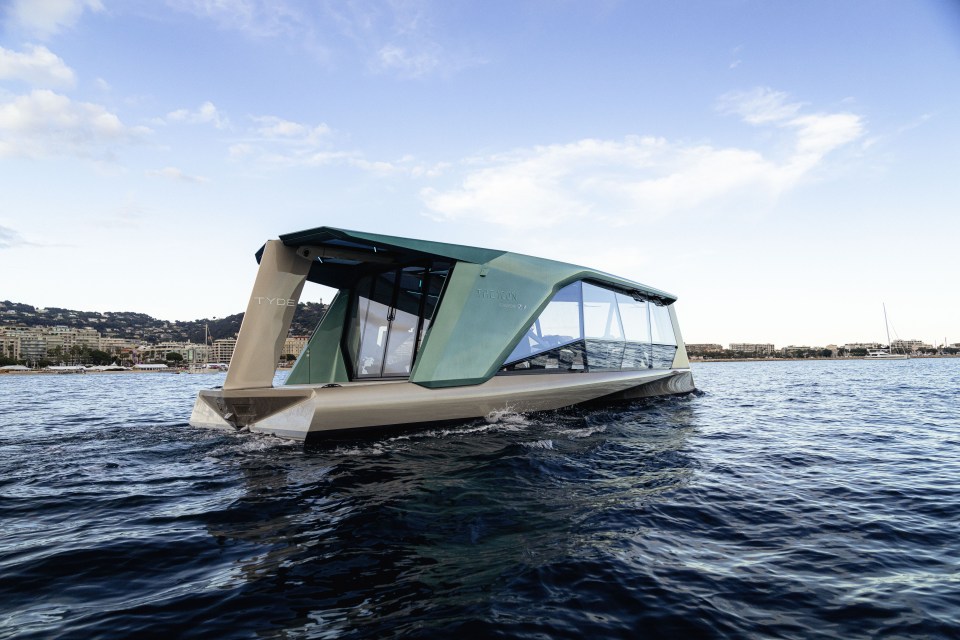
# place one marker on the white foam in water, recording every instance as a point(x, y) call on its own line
point(253, 442)
point(443, 433)
point(502, 422)
point(586, 432)
point(507, 414)
point(374, 450)
point(539, 444)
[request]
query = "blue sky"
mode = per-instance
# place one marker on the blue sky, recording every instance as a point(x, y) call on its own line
point(782, 167)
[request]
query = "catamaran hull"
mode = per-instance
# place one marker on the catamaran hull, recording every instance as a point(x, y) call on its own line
point(302, 411)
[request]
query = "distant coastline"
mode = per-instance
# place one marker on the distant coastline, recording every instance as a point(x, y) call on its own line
point(840, 359)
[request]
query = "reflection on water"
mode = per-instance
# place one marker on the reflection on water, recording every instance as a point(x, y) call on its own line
point(784, 500)
point(387, 530)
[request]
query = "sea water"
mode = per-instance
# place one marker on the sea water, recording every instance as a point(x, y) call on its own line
point(783, 500)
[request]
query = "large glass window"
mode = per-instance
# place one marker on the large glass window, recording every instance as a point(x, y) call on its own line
point(601, 318)
point(391, 314)
point(402, 335)
point(373, 322)
point(433, 287)
point(602, 328)
point(558, 324)
point(662, 328)
point(586, 327)
point(663, 338)
point(636, 319)
point(636, 329)
point(569, 357)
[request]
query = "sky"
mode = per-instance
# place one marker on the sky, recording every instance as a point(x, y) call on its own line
point(783, 168)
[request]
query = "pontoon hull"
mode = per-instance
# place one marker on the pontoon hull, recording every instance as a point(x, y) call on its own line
point(301, 411)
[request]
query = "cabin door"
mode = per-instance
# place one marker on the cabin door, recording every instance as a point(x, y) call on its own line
point(393, 311)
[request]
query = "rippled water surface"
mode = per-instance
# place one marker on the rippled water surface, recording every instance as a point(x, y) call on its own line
point(785, 500)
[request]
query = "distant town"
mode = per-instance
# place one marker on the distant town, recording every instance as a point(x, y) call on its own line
point(749, 351)
point(37, 337)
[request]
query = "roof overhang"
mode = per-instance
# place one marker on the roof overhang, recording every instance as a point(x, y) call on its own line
point(341, 256)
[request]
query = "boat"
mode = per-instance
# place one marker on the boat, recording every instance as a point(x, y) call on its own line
point(423, 332)
point(888, 353)
point(199, 363)
point(78, 368)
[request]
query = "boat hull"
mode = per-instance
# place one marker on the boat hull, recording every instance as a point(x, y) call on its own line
point(302, 411)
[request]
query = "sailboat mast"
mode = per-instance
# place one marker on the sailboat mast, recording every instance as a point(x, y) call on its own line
point(886, 324)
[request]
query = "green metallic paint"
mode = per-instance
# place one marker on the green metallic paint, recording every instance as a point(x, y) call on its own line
point(479, 321)
point(489, 302)
point(322, 360)
point(424, 248)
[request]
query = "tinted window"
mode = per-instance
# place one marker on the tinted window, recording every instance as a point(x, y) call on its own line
point(636, 321)
point(392, 311)
point(600, 316)
point(604, 355)
point(435, 280)
point(603, 329)
point(663, 355)
point(661, 326)
point(559, 323)
point(569, 357)
point(636, 355)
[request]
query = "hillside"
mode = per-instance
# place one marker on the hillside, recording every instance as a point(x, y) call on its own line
point(140, 326)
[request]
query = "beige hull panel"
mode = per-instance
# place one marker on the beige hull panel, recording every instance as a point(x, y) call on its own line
point(298, 410)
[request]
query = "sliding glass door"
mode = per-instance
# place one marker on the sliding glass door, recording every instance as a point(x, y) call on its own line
point(392, 311)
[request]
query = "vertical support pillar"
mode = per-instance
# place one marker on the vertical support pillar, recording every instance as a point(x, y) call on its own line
point(680, 360)
point(266, 322)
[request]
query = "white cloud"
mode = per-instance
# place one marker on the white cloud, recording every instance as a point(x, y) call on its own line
point(616, 182)
point(207, 113)
point(816, 134)
point(257, 18)
point(280, 130)
point(241, 150)
point(642, 179)
point(819, 134)
point(399, 37)
point(10, 238)
point(285, 143)
point(173, 173)
point(413, 64)
point(759, 106)
point(37, 66)
point(47, 17)
point(45, 123)
point(276, 141)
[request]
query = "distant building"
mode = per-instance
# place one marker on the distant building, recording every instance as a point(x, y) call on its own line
point(116, 345)
point(222, 350)
point(37, 343)
point(293, 346)
point(704, 348)
point(908, 346)
point(191, 352)
point(850, 346)
point(749, 347)
point(10, 347)
point(30, 343)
